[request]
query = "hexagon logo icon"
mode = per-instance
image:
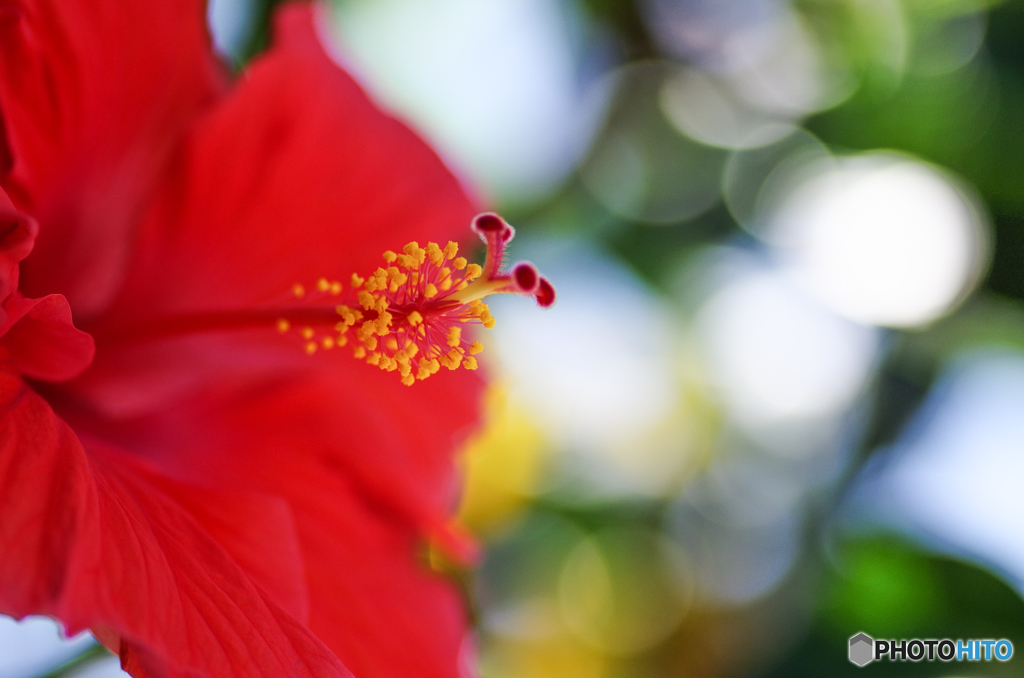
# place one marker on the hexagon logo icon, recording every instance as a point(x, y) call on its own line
point(862, 649)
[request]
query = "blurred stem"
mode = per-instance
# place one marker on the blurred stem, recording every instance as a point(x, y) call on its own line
point(92, 654)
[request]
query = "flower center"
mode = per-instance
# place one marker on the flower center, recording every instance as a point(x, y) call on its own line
point(408, 316)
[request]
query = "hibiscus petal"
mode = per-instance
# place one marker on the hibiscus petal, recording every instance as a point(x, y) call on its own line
point(94, 95)
point(40, 340)
point(97, 542)
point(17, 235)
point(352, 469)
point(295, 175)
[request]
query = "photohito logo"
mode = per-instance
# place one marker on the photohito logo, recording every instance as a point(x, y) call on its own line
point(864, 649)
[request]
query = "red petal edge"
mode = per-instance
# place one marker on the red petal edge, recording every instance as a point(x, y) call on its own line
point(94, 540)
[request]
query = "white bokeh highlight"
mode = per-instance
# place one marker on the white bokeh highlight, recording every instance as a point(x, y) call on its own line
point(882, 239)
point(776, 356)
point(597, 370)
point(494, 85)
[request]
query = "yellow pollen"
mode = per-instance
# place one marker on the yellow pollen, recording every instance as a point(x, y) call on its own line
point(424, 285)
point(435, 253)
point(298, 290)
point(283, 325)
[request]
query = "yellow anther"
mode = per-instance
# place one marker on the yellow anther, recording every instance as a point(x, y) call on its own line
point(327, 343)
point(454, 357)
point(323, 284)
point(454, 336)
point(411, 349)
point(489, 323)
point(423, 372)
point(414, 279)
point(381, 305)
point(473, 271)
point(367, 300)
point(371, 343)
point(411, 248)
point(336, 288)
point(310, 347)
point(469, 363)
point(392, 344)
point(392, 366)
point(415, 318)
point(342, 340)
point(433, 366)
point(404, 369)
point(430, 291)
point(405, 261)
point(359, 352)
point(459, 264)
point(390, 257)
point(374, 358)
point(435, 253)
point(283, 325)
point(462, 285)
point(475, 347)
point(366, 330)
point(384, 362)
point(408, 380)
point(307, 333)
point(349, 316)
point(451, 249)
point(357, 282)
point(298, 290)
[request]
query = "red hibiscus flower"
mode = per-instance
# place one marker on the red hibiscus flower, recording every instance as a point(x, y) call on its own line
point(176, 473)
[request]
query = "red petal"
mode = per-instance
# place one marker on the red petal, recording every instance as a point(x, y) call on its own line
point(40, 340)
point(17, 235)
point(97, 541)
point(296, 175)
point(94, 94)
point(353, 465)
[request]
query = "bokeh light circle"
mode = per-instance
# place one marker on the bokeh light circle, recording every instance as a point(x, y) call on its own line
point(883, 239)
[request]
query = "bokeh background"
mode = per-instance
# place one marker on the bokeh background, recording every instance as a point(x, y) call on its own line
point(781, 398)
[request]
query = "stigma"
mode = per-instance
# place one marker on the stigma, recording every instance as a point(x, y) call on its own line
point(413, 315)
